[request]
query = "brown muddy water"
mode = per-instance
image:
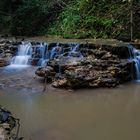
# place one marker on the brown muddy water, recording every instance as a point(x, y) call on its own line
point(87, 114)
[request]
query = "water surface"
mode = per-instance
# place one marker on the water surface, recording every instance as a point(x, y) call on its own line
point(87, 114)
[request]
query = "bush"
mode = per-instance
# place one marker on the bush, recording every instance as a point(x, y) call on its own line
point(33, 16)
point(70, 18)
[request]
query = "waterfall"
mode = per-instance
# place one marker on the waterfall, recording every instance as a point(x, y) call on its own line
point(41, 50)
point(134, 55)
point(23, 55)
point(75, 54)
point(76, 47)
point(131, 51)
point(38, 53)
point(56, 51)
point(137, 63)
point(137, 68)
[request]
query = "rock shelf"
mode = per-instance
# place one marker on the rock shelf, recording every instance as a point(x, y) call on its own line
point(88, 65)
point(100, 66)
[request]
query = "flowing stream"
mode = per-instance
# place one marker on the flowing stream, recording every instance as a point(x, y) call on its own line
point(97, 114)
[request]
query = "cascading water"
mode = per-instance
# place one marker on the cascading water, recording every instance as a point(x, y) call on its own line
point(41, 50)
point(137, 63)
point(56, 51)
point(75, 53)
point(23, 55)
point(40, 53)
point(75, 48)
point(134, 55)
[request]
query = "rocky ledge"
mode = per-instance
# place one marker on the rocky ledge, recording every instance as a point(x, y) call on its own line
point(99, 66)
point(7, 51)
point(85, 65)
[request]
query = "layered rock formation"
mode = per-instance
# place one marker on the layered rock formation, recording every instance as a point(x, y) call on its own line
point(77, 65)
point(7, 51)
point(99, 66)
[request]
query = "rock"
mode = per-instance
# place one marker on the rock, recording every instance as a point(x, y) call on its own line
point(33, 61)
point(121, 51)
point(2, 86)
point(108, 55)
point(96, 73)
point(61, 83)
point(2, 134)
point(91, 67)
point(4, 62)
point(7, 124)
point(46, 72)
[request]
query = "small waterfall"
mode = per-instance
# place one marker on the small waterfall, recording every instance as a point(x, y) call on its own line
point(39, 53)
point(134, 55)
point(75, 48)
point(23, 55)
point(137, 68)
point(53, 52)
point(56, 51)
point(75, 54)
point(137, 63)
point(41, 50)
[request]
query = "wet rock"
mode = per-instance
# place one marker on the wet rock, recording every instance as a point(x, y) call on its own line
point(91, 66)
point(7, 125)
point(108, 55)
point(121, 51)
point(7, 51)
point(61, 83)
point(4, 62)
point(2, 86)
point(97, 53)
point(33, 61)
point(96, 73)
point(45, 72)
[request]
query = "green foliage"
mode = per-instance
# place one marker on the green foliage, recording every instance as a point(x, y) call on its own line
point(70, 18)
point(88, 18)
point(28, 17)
point(33, 16)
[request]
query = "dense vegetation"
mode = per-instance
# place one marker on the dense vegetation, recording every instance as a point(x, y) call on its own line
point(70, 18)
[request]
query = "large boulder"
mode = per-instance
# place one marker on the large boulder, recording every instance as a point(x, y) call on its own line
point(92, 66)
point(96, 75)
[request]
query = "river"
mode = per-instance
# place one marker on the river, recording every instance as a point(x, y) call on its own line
point(56, 114)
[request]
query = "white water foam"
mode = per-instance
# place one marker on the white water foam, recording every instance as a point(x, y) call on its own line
point(24, 54)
